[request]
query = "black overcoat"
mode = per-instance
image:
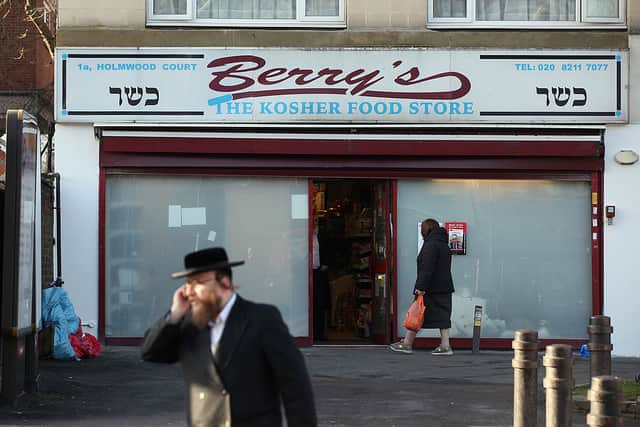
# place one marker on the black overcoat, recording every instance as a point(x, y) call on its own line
point(434, 277)
point(257, 366)
point(434, 264)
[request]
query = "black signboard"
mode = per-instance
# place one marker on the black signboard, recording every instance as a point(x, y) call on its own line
point(20, 287)
point(18, 273)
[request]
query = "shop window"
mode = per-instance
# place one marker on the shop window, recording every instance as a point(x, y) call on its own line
point(151, 222)
point(247, 13)
point(526, 13)
point(527, 259)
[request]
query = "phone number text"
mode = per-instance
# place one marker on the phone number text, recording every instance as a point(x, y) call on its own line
point(562, 67)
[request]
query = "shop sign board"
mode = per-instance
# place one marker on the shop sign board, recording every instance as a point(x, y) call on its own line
point(271, 85)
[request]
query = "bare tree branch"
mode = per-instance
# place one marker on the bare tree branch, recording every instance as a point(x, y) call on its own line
point(2, 4)
point(30, 14)
point(20, 54)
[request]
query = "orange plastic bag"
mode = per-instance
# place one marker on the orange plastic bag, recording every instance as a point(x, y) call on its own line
point(415, 315)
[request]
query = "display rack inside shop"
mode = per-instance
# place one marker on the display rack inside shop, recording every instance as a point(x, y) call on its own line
point(345, 236)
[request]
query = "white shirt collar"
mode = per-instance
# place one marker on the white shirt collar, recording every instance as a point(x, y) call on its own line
point(224, 314)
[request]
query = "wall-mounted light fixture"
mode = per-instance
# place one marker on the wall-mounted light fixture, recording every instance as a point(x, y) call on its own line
point(626, 157)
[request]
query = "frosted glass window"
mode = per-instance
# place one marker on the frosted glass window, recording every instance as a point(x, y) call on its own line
point(153, 221)
point(603, 8)
point(528, 261)
point(264, 9)
point(170, 7)
point(322, 8)
point(450, 8)
point(526, 10)
point(246, 9)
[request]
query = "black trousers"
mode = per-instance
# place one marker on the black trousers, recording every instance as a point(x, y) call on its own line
point(320, 303)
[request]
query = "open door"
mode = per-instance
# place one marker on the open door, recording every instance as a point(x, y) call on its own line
point(351, 268)
point(382, 262)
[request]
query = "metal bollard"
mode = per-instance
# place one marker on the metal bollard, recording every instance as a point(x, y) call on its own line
point(558, 382)
point(477, 322)
point(605, 396)
point(600, 330)
point(525, 386)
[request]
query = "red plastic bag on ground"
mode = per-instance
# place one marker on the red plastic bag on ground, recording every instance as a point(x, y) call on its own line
point(85, 345)
point(415, 315)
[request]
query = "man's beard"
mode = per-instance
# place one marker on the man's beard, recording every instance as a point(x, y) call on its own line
point(205, 309)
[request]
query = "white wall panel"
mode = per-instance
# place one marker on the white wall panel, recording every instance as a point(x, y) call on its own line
point(621, 279)
point(76, 159)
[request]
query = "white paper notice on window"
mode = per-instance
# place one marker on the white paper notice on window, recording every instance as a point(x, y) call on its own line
point(299, 206)
point(175, 216)
point(125, 298)
point(194, 216)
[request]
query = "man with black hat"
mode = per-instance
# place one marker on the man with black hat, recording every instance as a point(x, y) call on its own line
point(239, 361)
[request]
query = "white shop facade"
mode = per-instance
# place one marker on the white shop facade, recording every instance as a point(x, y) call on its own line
point(163, 151)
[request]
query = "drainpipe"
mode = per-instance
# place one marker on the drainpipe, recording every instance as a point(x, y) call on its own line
point(58, 282)
point(56, 176)
point(52, 131)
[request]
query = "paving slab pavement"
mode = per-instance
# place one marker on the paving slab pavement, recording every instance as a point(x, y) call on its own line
point(354, 386)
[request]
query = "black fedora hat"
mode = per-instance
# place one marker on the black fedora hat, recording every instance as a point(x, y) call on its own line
point(205, 260)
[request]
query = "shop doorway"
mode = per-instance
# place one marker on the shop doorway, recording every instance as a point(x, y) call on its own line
point(352, 268)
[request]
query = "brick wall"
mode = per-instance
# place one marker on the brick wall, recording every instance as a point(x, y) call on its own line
point(25, 63)
point(26, 66)
point(17, 38)
point(26, 81)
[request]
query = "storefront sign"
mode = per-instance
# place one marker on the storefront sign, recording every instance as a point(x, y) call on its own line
point(354, 85)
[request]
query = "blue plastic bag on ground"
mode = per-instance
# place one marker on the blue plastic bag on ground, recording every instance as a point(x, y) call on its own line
point(584, 351)
point(57, 310)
